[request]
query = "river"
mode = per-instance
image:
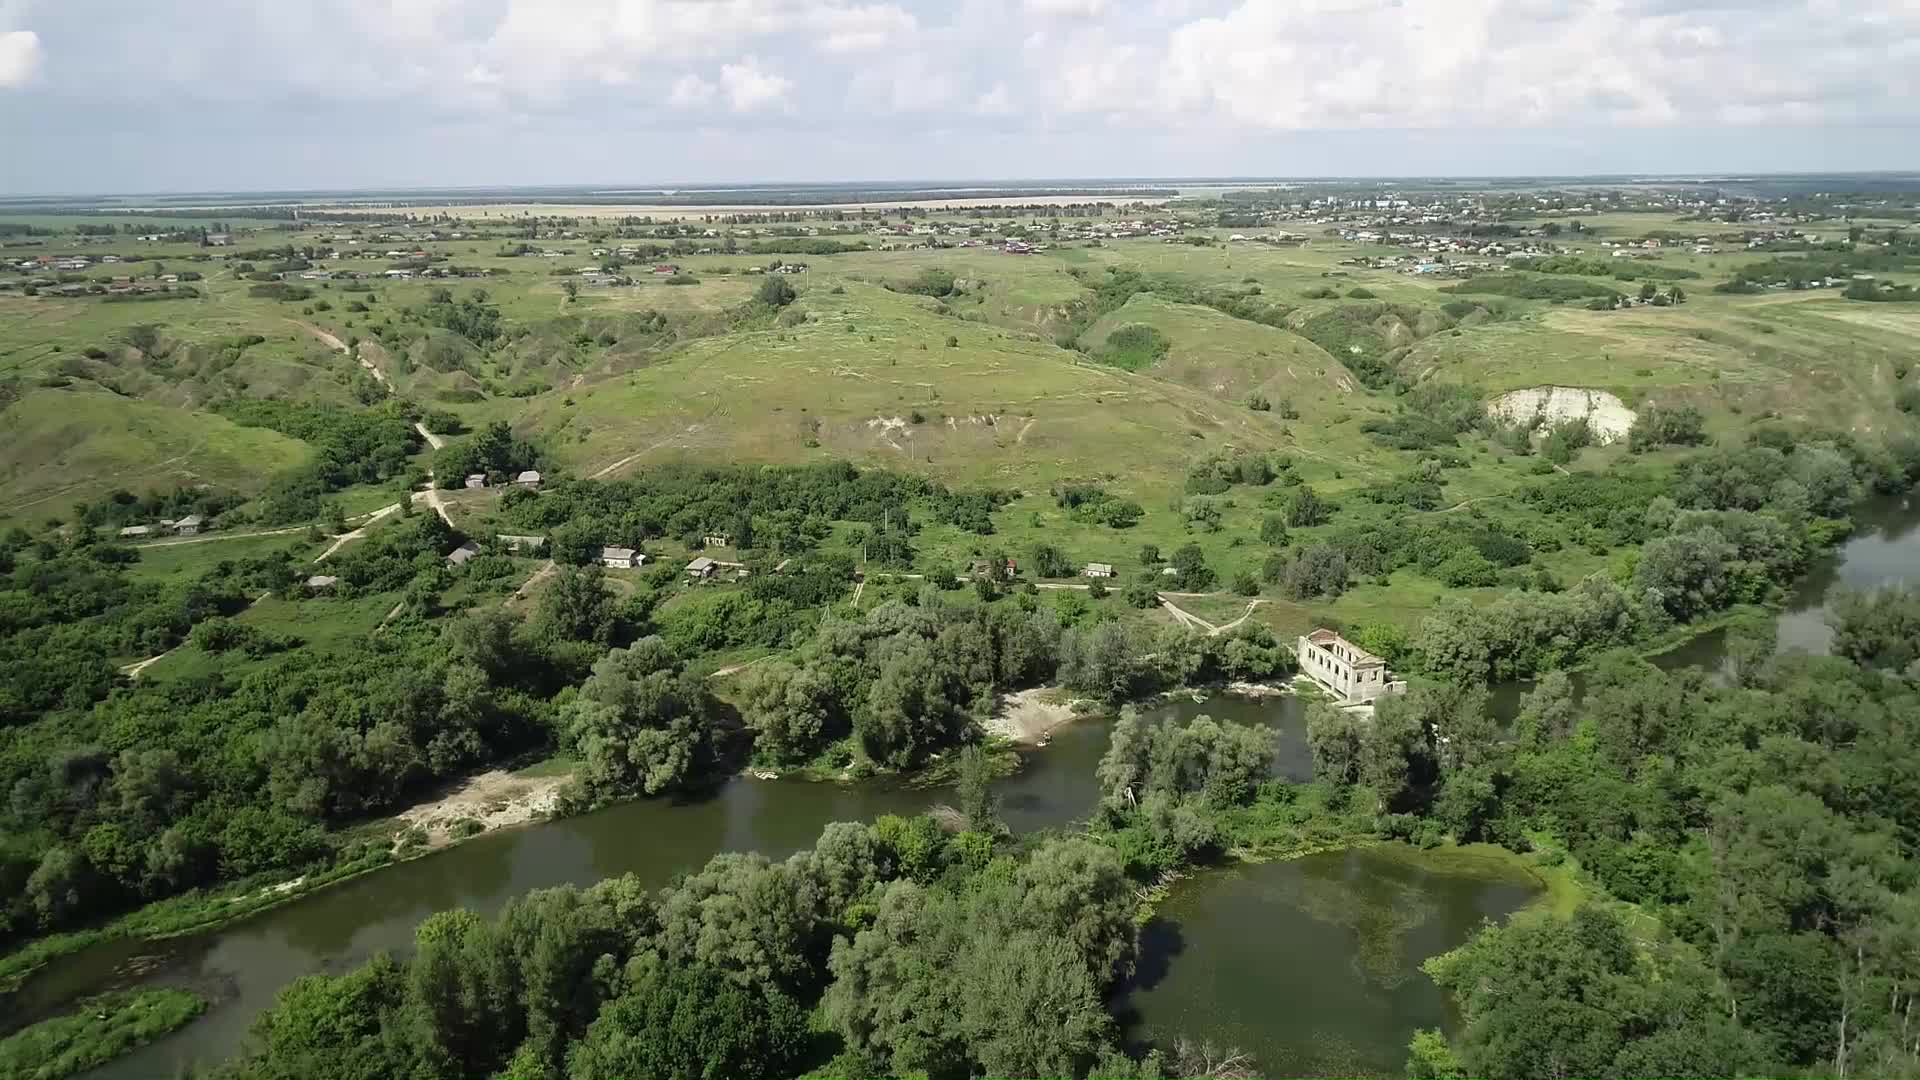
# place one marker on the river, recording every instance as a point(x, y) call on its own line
point(1241, 956)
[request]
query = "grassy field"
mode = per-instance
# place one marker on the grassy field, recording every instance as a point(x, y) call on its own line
point(861, 369)
point(869, 376)
point(71, 444)
point(183, 562)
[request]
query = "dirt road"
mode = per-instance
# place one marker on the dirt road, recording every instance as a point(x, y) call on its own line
point(378, 375)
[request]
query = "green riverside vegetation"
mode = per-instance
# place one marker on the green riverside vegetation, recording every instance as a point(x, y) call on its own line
point(102, 1029)
point(867, 498)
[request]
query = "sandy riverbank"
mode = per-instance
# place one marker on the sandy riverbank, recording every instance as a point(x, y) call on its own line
point(496, 799)
point(1029, 716)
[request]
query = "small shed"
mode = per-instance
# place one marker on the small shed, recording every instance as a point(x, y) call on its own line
point(477, 480)
point(463, 554)
point(189, 525)
point(322, 582)
point(530, 478)
point(1098, 569)
point(620, 558)
point(701, 568)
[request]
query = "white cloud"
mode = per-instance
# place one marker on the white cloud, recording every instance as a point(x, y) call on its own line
point(995, 102)
point(750, 87)
point(1066, 7)
point(862, 29)
point(1059, 83)
point(690, 91)
point(1341, 64)
point(19, 57)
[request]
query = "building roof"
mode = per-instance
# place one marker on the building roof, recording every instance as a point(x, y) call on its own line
point(322, 581)
point(190, 521)
point(136, 530)
point(701, 564)
point(1100, 567)
point(1325, 637)
point(616, 553)
point(462, 553)
point(528, 477)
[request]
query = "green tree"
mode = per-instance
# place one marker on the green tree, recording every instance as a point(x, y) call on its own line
point(775, 292)
point(1191, 572)
point(692, 1024)
point(576, 606)
point(641, 723)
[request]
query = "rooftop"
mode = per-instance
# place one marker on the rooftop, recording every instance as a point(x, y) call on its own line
point(1357, 656)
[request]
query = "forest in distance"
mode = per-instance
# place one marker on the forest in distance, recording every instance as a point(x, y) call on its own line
point(617, 507)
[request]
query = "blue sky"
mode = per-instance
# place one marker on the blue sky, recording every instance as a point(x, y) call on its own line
point(113, 95)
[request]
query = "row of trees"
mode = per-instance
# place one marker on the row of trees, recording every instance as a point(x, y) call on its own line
point(906, 681)
point(921, 951)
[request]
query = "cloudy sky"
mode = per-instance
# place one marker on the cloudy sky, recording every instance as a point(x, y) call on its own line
point(198, 95)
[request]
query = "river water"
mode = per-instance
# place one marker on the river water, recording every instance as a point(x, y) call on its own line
point(1310, 964)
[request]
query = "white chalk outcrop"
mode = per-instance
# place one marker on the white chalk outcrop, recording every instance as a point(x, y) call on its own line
point(1546, 406)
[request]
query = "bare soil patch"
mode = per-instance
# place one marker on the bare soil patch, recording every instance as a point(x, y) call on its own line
point(496, 800)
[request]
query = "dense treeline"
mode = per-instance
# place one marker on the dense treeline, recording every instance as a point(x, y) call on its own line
point(493, 452)
point(68, 613)
point(352, 446)
point(123, 507)
point(1768, 826)
point(1729, 526)
point(780, 510)
point(905, 681)
point(944, 954)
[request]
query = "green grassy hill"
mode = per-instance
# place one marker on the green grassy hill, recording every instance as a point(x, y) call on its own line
point(869, 376)
point(1231, 358)
point(1803, 356)
point(65, 445)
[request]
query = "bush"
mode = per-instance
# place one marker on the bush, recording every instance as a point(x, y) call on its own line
point(1528, 287)
point(775, 292)
point(1667, 426)
point(280, 290)
point(1133, 347)
point(1258, 402)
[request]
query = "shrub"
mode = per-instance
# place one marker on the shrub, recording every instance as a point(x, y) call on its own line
point(775, 292)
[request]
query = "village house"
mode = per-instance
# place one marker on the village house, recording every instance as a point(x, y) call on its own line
point(189, 525)
point(717, 540)
point(984, 570)
point(463, 554)
point(1352, 674)
point(136, 532)
point(701, 568)
point(530, 479)
point(621, 558)
point(477, 480)
point(1098, 569)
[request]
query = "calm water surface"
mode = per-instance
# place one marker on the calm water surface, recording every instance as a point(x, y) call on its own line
point(1311, 965)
